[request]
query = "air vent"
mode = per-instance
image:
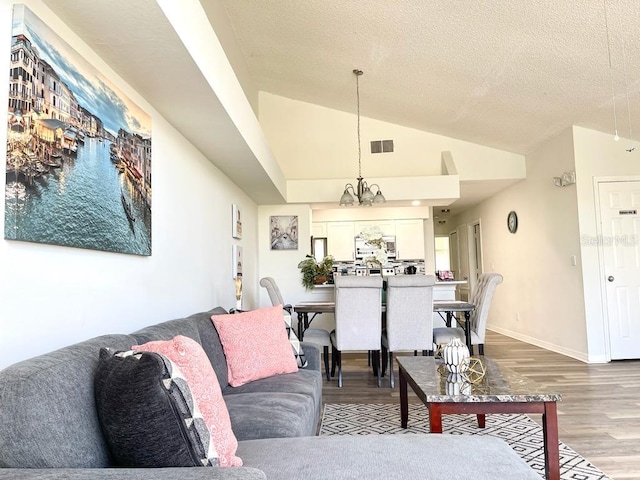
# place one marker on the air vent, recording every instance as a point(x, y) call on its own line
point(382, 146)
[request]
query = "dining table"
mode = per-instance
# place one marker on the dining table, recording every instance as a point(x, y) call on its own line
point(308, 311)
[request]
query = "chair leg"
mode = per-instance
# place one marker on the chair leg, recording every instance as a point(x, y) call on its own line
point(383, 362)
point(470, 349)
point(391, 379)
point(339, 369)
point(334, 360)
point(481, 348)
point(375, 360)
point(325, 352)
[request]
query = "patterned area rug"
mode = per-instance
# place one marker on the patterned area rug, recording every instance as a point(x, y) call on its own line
point(523, 434)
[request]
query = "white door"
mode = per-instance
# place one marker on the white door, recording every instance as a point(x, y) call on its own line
point(620, 246)
point(463, 261)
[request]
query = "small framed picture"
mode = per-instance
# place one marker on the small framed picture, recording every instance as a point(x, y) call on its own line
point(284, 232)
point(236, 269)
point(236, 222)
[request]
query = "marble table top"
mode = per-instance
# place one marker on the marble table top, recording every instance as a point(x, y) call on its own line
point(497, 385)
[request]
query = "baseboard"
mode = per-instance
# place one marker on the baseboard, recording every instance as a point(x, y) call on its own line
point(546, 345)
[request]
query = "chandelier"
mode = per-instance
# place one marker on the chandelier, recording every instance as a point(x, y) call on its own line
point(362, 190)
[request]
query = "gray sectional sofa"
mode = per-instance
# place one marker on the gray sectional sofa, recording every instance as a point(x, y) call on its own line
point(49, 427)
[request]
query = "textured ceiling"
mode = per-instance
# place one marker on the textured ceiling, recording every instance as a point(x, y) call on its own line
point(506, 74)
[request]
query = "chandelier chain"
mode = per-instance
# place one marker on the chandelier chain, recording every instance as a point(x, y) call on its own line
point(613, 95)
point(358, 73)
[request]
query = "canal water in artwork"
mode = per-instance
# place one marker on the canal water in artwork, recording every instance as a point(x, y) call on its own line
point(86, 202)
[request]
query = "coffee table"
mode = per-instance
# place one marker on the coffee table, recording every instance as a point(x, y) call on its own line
point(499, 391)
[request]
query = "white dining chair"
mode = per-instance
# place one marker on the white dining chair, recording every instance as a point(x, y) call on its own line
point(409, 316)
point(480, 297)
point(317, 336)
point(358, 314)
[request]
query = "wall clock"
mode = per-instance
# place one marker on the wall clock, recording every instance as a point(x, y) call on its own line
point(512, 221)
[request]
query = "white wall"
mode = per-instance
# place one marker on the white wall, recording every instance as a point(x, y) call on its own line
point(52, 296)
point(314, 142)
point(541, 300)
point(597, 155)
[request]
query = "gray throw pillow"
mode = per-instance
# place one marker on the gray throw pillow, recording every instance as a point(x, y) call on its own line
point(147, 413)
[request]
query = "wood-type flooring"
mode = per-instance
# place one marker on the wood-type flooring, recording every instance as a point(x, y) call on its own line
point(599, 415)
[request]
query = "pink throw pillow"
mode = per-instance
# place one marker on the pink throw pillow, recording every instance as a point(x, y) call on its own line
point(255, 344)
point(194, 364)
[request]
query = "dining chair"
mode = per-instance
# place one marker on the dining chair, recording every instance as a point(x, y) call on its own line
point(480, 297)
point(409, 316)
point(358, 315)
point(317, 336)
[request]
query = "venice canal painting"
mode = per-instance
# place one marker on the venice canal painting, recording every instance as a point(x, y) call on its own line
point(78, 166)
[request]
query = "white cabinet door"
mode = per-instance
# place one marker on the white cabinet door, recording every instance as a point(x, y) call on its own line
point(341, 240)
point(319, 229)
point(410, 239)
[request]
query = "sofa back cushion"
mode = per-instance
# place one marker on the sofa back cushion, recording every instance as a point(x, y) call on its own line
point(198, 327)
point(189, 357)
point(46, 398)
point(148, 413)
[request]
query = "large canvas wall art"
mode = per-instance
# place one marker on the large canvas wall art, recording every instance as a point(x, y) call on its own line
point(78, 164)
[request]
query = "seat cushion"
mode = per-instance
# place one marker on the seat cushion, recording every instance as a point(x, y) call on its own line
point(391, 457)
point(279, 414)
point(188, 355)
point(255, 344)
point(443, 335)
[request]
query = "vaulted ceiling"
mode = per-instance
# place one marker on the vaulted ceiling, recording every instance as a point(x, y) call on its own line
point(503, 74)
point(506, 74)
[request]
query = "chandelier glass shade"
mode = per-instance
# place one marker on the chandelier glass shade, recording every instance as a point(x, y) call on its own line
point(362, 190)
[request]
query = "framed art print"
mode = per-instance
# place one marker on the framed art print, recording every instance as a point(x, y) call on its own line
point(236, 221)
point(236, 269)
point(284, 232)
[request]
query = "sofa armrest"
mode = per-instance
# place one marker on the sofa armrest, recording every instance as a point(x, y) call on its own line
point(312, 353)
point(182, 473)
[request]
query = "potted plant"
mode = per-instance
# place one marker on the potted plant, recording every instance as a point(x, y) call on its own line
point(313, 272)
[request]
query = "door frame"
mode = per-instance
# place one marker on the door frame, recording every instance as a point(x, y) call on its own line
point(601, 265)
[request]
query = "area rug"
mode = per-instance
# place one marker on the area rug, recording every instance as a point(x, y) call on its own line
point(522, 433)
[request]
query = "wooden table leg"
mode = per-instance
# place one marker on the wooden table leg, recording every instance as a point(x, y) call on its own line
point(481, 420)
point(435, 418)
point(404, 401)
point(550, 434)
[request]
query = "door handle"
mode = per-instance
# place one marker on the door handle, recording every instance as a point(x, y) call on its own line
point(610, 278)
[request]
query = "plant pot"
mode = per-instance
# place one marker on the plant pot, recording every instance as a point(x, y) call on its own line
point(320, 279)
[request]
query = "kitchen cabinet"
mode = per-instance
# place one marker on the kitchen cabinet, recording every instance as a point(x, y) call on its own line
point(340, 239)
point(319, 229)
point(410, 239)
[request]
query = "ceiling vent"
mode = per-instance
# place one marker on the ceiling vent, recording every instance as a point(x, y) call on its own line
point(382, 146)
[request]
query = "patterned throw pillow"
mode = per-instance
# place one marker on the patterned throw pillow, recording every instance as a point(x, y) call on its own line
point(147, 412)
point(255, 345)
point(298, 352)
point(192, 361)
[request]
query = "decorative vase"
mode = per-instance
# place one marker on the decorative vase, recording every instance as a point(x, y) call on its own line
point(455, 355)
point(456, 384)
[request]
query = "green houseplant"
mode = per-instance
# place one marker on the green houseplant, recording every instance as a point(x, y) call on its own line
point(313, 272)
